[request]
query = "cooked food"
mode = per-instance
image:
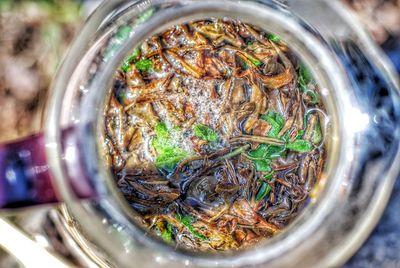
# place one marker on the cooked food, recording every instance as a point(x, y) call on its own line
point(215, 134)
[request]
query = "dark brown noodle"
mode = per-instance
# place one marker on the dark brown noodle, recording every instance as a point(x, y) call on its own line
point(215, 133)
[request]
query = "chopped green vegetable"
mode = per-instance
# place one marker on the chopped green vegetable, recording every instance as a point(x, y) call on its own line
point(162, 130)
point(262, 165)
point(256, 62)
point(263, 155)
point(305, 77)
point(250, 43)
point(276, 121)
point(130, 59)
point(269, 176)
point(260, 152)
point(301, 146)
point(300, 134)
point(286, 136)
point(144, 65)
point(168, 154)
point(205, 133)
point(265, 189)
point(187, 221)
point(125, 67)
point(305, 74)
point(274, 38)
point(274, 152)
point(166, 234)
point(169, 158)
point(267, 151)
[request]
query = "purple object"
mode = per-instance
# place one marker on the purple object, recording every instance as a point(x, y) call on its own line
point(25, 175)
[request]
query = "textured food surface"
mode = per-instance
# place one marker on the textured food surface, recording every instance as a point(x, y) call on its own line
point(215, 134)
point(382, 247)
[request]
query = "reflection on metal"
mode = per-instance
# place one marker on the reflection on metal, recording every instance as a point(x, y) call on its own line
point(28, 252)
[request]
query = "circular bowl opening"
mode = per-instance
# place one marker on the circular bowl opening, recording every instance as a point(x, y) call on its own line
point(305, 45)
point(300, 42)
point(215, 134)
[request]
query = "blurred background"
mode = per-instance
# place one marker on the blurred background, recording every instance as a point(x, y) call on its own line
point(35, 34)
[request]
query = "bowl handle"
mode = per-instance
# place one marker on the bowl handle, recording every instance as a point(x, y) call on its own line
point(26, 177)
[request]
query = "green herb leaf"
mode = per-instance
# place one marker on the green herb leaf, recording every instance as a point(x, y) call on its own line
point(162, 130)
point(286, 136)
point(187, 221)
point(301, 146)
point(198, 235)
point(256, 62)
point(274, 38)
point(262, 165)
point(126, 66)
point(265, 189)
point(269, 176)
point(250, 43)
point(305, 77)
point(166, 234)
point(144, 65)
point(276, 121)
point(300, 134)
point(168, 154)
point(305, 74)
point(205, 133)
point(263, 154)
point(274, 152)
point(169, 158)
point(130, 59)
point(265, 151)
point(260, 152)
